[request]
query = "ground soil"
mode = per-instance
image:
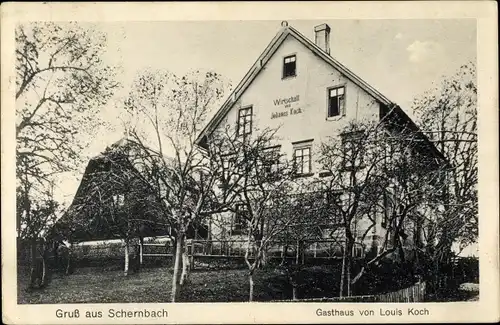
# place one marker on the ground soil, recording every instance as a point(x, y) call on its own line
point(95, 285)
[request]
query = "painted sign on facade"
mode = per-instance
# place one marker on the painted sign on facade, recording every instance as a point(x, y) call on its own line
point(287, 103)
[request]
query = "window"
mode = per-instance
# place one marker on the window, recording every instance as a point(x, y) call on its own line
point(240, 218)
point(289, 66)
point(302, 160)
point(119, 200)
point(244, 126)
point(333, 198)
point(336, 101)
point(227, 165)
point(353, 148)
point(332, 205)
point(271, 160)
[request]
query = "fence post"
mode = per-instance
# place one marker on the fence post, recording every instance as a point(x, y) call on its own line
point(303, 252)
point(191, 256)
point(141, 252)
point(297, 252)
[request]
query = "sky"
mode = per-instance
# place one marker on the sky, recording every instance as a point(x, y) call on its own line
point(400, 58)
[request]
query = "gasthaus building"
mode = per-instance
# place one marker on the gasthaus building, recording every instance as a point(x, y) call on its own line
point(297, 86)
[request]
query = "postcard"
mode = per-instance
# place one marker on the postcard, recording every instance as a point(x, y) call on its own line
point(251, 162)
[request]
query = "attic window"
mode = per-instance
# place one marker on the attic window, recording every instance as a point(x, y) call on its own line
point(289, 66)
point(336, 101)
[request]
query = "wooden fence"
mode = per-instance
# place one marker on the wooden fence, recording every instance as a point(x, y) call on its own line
point(113, 251)
point(318, 249)
point(415, 293)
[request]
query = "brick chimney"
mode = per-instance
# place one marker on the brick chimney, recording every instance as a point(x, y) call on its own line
point(322, 37)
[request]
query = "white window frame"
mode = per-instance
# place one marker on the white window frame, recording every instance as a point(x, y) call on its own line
point(341, 105)
point(292, 58)
point(301, 146)
point(245, 121)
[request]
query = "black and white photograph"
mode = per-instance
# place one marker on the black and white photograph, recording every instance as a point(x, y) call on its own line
point(304, 162)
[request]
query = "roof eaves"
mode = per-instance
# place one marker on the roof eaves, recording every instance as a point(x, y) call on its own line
point(438, 154)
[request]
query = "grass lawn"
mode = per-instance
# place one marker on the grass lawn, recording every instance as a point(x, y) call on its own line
point(95, 285)
point(465, 292)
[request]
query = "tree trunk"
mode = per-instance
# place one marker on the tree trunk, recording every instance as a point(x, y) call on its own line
point(141, 250)
point(342, 272)
point(68, 265)
point(349, 259)
point(57, 262)
point(297, 253)
point(250, 282)
point(283, 254)
point(177, 264)
point(125, 270)
point(185, 264)
point(348, 280)
point(33, 270)
point(43, 280)
point(294, 292)
point(264, 258)
point(303, 252)
point(44, 254)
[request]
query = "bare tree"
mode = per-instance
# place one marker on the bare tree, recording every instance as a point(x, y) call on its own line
point(448, 115)
point(309, 219)
point(114, 201)
point(379, 176)
point(42, 214)
point(170, 112)
point(61, 83)
point(351, 173)
point(409, 181)
point(255, 171)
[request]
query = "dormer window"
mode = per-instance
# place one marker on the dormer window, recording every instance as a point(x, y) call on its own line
point(289, 66)
point(336, 101)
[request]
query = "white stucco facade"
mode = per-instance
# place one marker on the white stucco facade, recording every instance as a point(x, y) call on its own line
point(297, 106)
point(305, 118)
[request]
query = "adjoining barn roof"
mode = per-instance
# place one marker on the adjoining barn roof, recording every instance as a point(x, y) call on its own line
point(97, 169)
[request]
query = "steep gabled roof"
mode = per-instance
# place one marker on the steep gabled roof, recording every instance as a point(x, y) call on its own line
point(97, 172)
point(266, 56)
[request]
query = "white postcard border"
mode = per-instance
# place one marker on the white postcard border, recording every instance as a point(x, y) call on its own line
point(485, 310)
